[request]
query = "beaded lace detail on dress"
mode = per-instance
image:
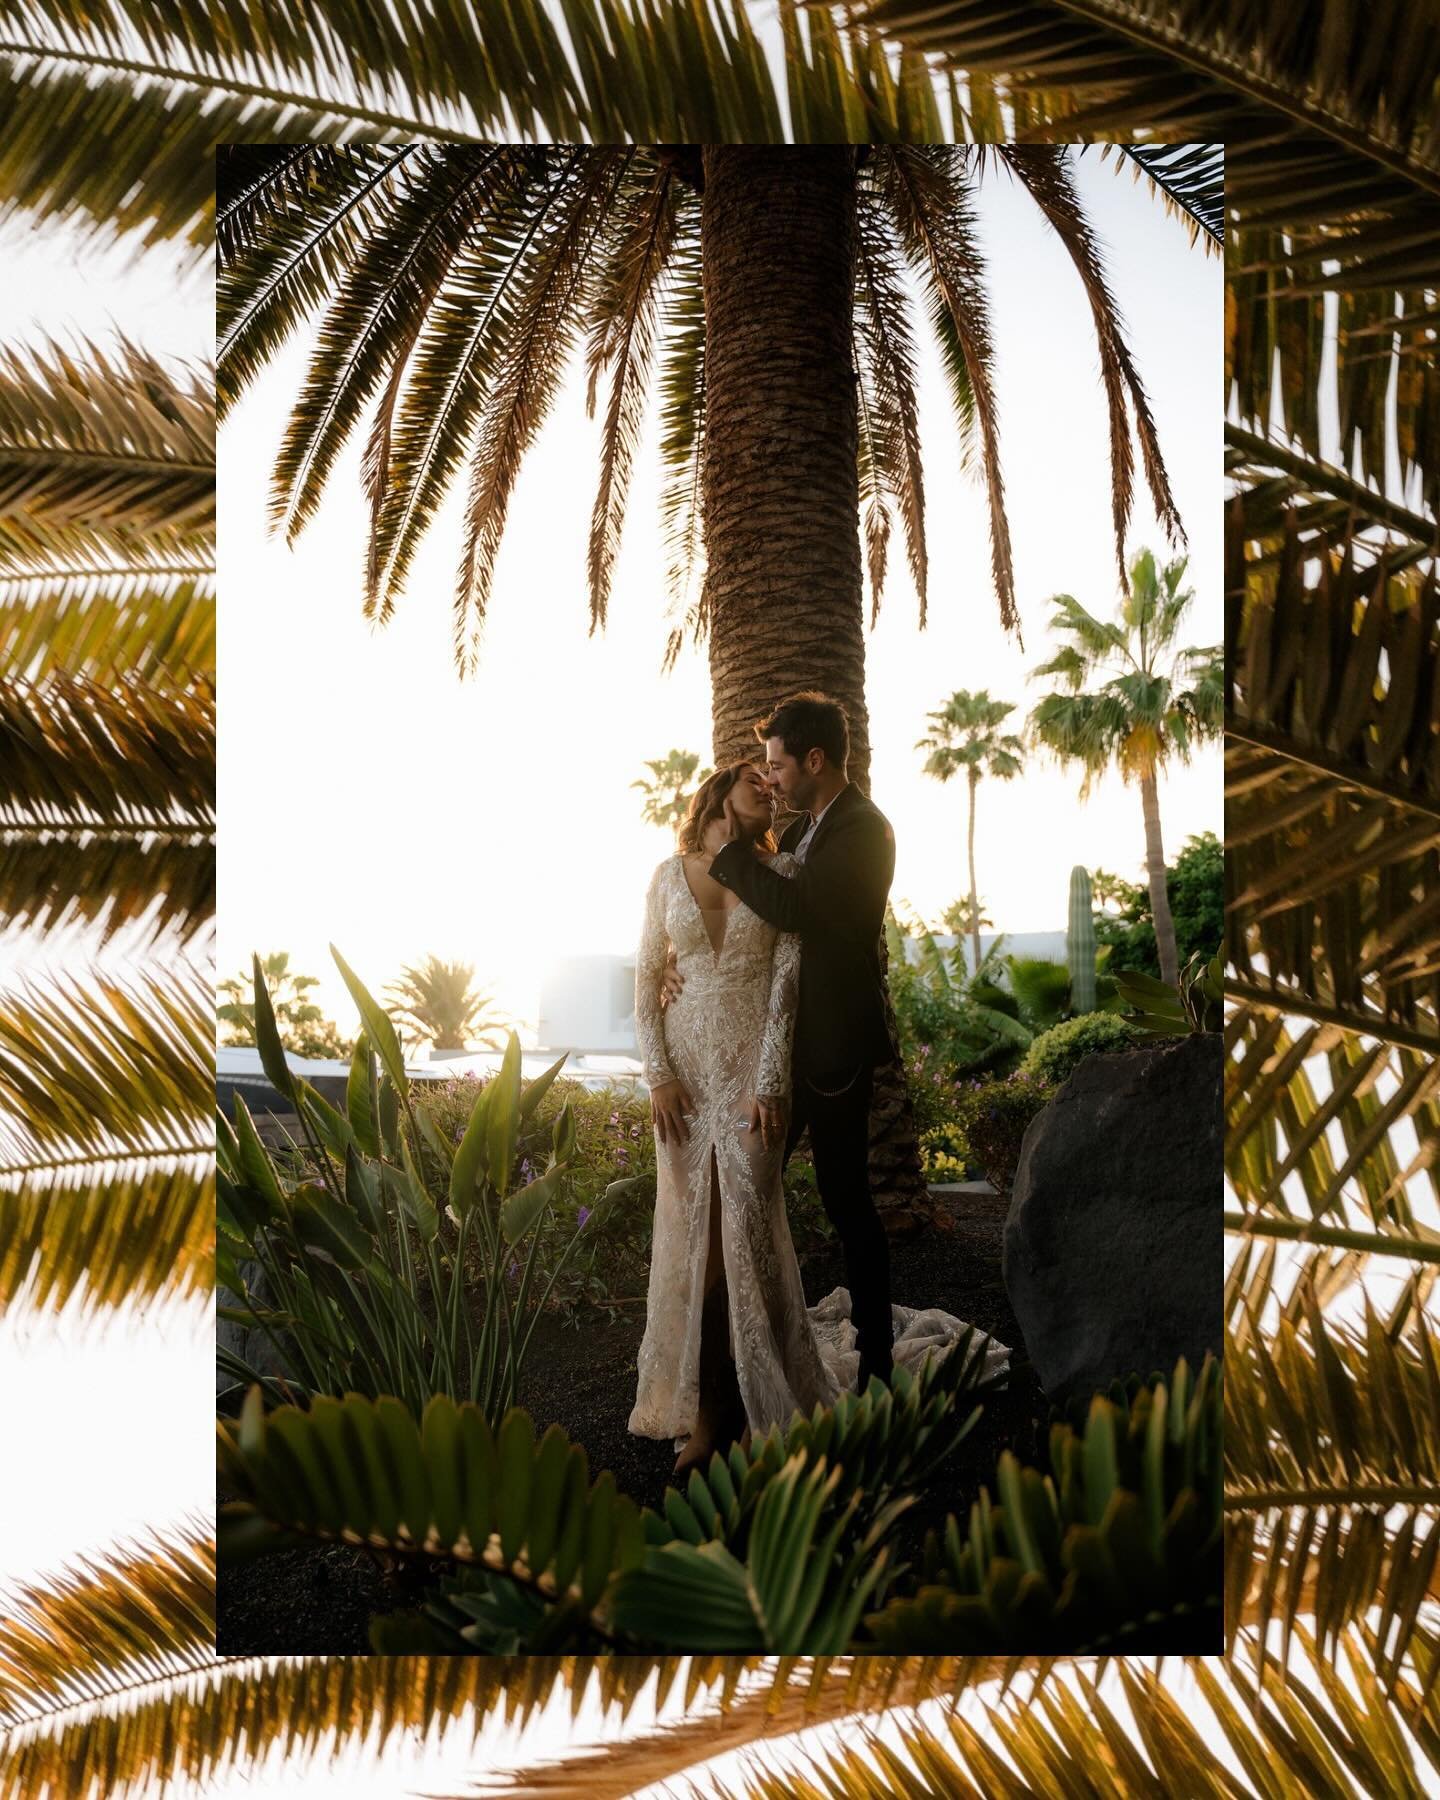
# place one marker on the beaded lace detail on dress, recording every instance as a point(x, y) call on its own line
point(728, 1037)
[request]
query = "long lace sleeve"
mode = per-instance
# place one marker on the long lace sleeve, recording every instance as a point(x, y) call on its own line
point(773, 1079)
point(649, 967)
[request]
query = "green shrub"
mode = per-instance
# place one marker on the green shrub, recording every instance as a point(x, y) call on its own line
point(994, 1115)
point(1057, 1053)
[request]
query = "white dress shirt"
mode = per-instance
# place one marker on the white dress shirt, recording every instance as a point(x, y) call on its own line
point(814, 826)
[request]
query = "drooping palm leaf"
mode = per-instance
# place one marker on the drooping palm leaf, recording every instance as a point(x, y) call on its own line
point(104, 621)
point(127, 758)
point(55, 878)
point(138, 1613)
point(622, 333)
point(141, 1229)
point(936, 223)
point(1046, 178)
point(113, 451)
point(105, 1068)
point(887, 385)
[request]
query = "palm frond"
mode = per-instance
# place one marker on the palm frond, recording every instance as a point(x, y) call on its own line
point(1045, 177)
point(53, 879)
point(381, 294)
point(450, 374)
point(530, 362)
point(887, 383)
point(127, 758)
point(1334, 1476)
point(138, 1612)
point(624, 319)
point(112, 451)
point(924, 189)
point(682, 431)
point(1190, 180)
point(1333, 782)
point(105, 1069)
point(139, 1229)
point(102, 622)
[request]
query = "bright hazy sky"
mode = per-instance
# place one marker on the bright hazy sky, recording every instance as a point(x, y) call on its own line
point(368, 797)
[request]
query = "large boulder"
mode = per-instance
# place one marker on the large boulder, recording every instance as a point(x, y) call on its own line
point(1113, 1255)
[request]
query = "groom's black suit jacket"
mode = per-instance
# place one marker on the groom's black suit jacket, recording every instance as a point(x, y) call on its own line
point(836, 901)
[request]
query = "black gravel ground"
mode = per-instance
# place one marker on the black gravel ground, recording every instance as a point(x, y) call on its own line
point(319, 1601)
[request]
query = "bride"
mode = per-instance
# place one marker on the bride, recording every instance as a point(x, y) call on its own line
point(729, 1343)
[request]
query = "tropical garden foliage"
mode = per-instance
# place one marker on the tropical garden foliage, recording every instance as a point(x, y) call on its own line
point(303, 1028)
point(1330, 1437)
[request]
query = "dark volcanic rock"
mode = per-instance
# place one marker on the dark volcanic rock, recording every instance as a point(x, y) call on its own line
point(1113, 1255)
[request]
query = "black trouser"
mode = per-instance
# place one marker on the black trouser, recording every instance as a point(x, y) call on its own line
point(839, 1124)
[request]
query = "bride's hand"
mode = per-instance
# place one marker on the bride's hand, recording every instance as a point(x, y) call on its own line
point(669, 1102)
point(672, 981)
point(768, 1118)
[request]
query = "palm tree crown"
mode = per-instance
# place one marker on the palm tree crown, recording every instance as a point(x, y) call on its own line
point(1138, 716)
point(965, 734)
point(456, 280)
point(441, 1006)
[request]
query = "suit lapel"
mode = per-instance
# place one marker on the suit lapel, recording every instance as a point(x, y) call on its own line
point(843, 799)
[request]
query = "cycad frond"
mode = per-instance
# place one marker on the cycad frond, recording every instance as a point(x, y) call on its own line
point(105, 1069)
point(111, 450)
point(925, 192)
point(142, 1229)
point(623, 328)
point(88, 1632)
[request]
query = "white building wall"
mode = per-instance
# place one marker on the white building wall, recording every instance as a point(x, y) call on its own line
point(588, 1002)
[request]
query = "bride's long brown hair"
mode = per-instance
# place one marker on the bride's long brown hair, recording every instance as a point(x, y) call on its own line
point(709, 803)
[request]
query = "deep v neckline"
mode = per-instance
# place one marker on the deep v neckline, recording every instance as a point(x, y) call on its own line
point(700, 914)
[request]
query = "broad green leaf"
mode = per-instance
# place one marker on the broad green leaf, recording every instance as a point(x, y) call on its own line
point(377, 1024)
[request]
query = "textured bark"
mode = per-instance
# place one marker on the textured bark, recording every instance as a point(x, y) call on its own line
point(780, 493)
point(1159, 895)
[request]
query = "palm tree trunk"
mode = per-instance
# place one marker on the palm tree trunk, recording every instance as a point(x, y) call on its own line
point(780, 489)
point(1159, 896)
point(780, 495)
point(974, 898)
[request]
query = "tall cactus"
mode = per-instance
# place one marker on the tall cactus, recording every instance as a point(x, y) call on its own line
point(1080, 942)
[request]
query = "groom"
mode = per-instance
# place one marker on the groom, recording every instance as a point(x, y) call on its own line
point(836, 902)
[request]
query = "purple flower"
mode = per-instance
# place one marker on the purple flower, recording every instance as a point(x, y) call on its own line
point(526, 1171)
point(615, 1118)
point(634, 1131)
point(513, 1271)
point(582, 1215)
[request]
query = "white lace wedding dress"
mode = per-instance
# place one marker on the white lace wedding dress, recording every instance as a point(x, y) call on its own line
point(728, 1038)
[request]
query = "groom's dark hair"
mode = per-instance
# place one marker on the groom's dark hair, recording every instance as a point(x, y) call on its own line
point(806, 722)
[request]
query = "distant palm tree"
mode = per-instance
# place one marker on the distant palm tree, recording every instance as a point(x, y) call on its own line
point(303, 1026)
point(668, 790)
point(963, 916)
point(965, 735)
point(1139, 715)
point(1107, 887)
point(441, 1007)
